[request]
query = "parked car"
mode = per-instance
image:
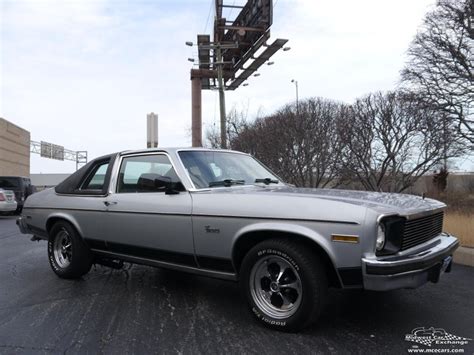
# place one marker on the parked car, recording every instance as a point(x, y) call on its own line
point(21, 186)
point(223, 214)
point(7, 202)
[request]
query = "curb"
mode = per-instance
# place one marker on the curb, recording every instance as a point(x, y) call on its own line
point(464, 256)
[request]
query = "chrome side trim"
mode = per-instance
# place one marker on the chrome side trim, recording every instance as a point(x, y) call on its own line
point(167, 265)
point(198, 215)
point(277, 218)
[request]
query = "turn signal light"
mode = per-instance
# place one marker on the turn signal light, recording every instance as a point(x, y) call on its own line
point(345, 238)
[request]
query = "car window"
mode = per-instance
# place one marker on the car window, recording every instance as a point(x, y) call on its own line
point(138, 173)
point(96, 178)
point(208, 167)
point(9, 182)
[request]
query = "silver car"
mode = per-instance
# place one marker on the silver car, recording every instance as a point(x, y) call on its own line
point(223, 214)
point(8, 202)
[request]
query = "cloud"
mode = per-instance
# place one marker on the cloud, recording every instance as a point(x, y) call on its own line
point(84, 74)
point(68, 15)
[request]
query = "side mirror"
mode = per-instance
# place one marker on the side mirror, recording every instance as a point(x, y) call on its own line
point(164, 182)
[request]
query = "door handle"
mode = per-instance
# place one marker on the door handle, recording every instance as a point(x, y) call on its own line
point(108, 203)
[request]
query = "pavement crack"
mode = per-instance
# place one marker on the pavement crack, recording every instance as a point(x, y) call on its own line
point(23, 347)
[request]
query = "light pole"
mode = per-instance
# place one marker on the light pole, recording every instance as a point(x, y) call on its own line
point(296, 87)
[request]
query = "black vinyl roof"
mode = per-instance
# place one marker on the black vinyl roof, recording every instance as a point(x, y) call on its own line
point(72, 183)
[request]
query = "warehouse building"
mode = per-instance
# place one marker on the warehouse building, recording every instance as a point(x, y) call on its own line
point(44, 181)
point(14, 149)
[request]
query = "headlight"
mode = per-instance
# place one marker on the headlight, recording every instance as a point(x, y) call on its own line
point(379, 244)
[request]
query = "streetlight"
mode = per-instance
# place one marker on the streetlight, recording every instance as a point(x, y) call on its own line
point(189, 43)
point(191, 60)
point(270, 63)
point(256, 74)
point(286, 49)
point(296, 87)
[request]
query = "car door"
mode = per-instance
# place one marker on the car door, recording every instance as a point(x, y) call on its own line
point(143, 220)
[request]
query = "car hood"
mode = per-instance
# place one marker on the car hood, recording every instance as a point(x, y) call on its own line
point(381, 202)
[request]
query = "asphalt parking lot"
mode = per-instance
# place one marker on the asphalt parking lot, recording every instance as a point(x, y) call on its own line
point(144, 310)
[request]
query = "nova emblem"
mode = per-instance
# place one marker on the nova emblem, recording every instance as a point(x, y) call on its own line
point(212, 230)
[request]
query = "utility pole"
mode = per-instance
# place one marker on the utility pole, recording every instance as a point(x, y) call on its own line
point(220, 84)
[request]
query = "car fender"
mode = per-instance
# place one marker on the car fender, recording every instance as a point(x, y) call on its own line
point(68, 218)
point(289, 228)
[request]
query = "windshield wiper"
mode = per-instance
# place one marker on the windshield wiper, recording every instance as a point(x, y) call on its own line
point(267, 181)
point(226, 182)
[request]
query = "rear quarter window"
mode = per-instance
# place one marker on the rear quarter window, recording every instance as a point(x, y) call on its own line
point(92, 179)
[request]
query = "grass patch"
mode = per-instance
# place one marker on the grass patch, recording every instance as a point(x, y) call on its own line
point(461, 225)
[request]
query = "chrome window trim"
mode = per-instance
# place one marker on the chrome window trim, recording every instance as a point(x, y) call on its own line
point(118, 164)
point(82, 195)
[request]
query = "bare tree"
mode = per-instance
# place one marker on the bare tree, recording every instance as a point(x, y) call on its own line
point(302, 147)
point(441, 63)
point(392, 141)
point(236, 123)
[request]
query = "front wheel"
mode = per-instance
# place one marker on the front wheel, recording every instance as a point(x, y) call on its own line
point(68, 255)
point(284, 283)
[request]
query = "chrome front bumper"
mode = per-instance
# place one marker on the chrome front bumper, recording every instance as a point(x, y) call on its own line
point(412, 268)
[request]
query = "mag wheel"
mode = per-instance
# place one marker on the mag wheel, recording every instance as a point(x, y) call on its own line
point(68, 255)
point(284, 283)
point(62, 249)
point(275, 287)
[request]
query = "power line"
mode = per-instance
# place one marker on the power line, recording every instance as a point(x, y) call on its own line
point(230, 11)
point(215, 107)
point(208, 16)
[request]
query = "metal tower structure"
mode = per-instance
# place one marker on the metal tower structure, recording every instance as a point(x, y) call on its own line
point(229, 60)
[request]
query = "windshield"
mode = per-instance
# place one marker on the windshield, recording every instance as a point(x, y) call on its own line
point(217, 168)
point(9, 182)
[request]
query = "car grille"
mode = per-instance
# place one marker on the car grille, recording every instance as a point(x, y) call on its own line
point(422, 229)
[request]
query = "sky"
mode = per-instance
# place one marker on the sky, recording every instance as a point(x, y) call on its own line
point(84, 73)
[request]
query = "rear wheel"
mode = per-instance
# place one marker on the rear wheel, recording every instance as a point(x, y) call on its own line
point(285, 284)
point(68, 255)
